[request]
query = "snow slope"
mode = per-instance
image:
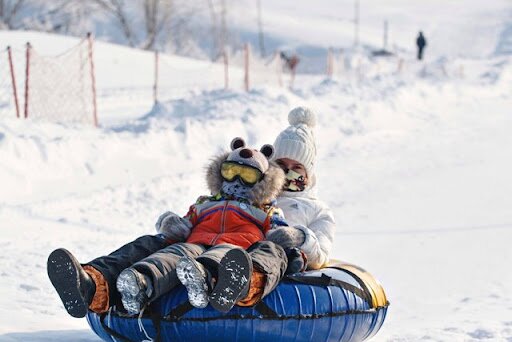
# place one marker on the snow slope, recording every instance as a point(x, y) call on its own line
point(467, 28)
point(416, 165)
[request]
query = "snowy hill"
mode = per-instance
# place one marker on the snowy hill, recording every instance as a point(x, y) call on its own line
point(416, 165)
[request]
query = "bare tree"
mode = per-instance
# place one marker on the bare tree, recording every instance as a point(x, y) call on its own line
point(62, 16)
point(219, 31)
point(184, 27)
point(153, 15)
point(170, 25)
point(151, 21)
point(215, 52)
point(223, 25)
point(116, 9)
point(260, 30)
point(157, 16)
point(8, 11)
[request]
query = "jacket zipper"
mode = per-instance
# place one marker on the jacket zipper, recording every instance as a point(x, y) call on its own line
point(222, 223)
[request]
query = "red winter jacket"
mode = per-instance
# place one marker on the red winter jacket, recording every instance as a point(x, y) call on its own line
point(228, 221)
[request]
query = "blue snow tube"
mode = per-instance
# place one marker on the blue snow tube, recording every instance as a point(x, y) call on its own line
point(341, 302)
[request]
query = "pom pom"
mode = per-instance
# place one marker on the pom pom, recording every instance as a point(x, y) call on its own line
point(302, 115)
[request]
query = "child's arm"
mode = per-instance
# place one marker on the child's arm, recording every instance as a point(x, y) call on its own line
point(178, 228)
point(319, 235)
point(315, 241)
point(175, 227)
point(286, 237)
point(280, 232)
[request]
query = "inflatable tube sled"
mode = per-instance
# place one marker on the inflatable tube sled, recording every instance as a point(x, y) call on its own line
point(341, 302)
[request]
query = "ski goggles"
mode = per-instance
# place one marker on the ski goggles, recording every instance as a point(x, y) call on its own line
point(249, 175)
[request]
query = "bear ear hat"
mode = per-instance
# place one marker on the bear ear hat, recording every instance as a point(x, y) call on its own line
point(237, 143)
point(267, 150)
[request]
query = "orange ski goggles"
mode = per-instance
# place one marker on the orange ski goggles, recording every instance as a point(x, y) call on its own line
point(247, 174)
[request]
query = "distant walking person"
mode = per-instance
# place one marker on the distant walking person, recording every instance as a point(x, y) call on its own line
point(421, 42)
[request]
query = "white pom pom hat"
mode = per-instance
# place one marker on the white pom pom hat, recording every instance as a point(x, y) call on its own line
point(297, 141)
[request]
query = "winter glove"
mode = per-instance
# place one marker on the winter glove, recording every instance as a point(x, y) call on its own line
point(173, 226)
point(286, 237)
point(297, 260)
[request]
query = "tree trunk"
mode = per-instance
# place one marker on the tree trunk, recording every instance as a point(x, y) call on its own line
point(260, 31)
point(216, 50)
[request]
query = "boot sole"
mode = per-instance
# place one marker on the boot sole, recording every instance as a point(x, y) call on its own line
point(194, 280)
point(234, 275)
point(129, 287)
point(63, 274)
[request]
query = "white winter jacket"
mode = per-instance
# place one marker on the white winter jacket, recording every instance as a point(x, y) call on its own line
point(304, 211)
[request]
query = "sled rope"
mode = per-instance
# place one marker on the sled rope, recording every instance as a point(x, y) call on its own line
point(141, 326)
point(110, 331)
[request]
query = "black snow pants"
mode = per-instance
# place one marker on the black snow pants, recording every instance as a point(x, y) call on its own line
point(153, 256)
point(269, 258)
point(110, 266)
point(160, 266)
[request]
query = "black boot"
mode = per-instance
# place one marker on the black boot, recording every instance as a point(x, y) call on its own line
point(74, 286)
point(233, 280)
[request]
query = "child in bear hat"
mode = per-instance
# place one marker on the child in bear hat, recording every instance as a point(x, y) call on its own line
point(204, 250)
point(307, 240)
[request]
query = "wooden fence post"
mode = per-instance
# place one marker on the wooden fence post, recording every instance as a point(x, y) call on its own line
point(27, 77)
point(13, 82)
point(93, 79)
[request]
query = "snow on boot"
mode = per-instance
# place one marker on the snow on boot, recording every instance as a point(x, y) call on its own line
point(74, 286)
point(194, 277)
point(135, 290)
point(233, 280)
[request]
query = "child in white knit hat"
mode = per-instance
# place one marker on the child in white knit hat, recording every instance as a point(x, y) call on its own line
point(307, 235)
point(311, 221)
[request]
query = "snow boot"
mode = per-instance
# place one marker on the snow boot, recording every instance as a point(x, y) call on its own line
point(135, 289)
point(74, 286)
point(233, 280)
point(194, 276)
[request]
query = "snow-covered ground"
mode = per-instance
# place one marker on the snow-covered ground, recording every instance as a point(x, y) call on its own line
point(417, 166)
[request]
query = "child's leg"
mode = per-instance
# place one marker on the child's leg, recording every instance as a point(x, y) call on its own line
point(153, 276)
point(73, 284)
point(197, 279)
point(161, 266)
point(198, 275)
point(234, 268)
point(112, 265)
point(212, 257)
point(95, 281)
point(270, 264)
